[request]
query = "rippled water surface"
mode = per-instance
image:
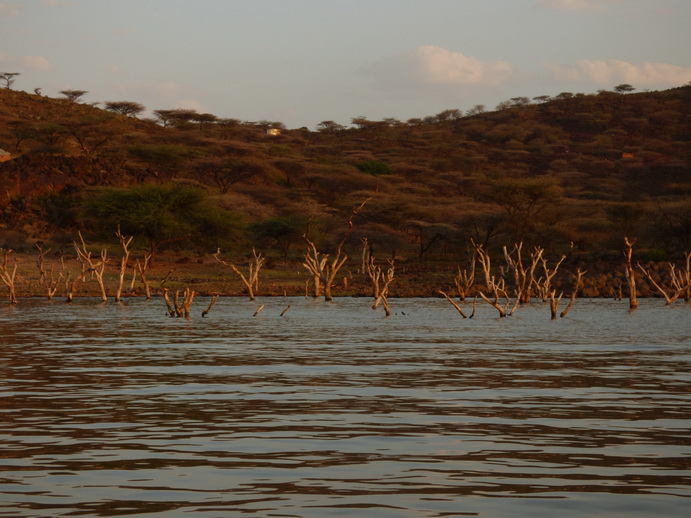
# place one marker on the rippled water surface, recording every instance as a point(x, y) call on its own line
point(333, 410)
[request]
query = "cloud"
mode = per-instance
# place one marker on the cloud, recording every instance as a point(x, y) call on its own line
point(9, 11)
point(575, 5)
point(613, 72)
point(430, 65)
point(27, 62)
point(35, 63)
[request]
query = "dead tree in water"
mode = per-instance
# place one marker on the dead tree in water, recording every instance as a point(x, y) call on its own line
point(252, 284)
point(89, 267)
point(544, 284)
point(681, 278)
point(554, 300)
point(458, 308)
point(213, 300)
point(142, 269)
point(323, 270)
point(524, 279)
point(8, 277)
point(381, 282)
point(186, 302)
point(47, 279)
point(366, 255)
point(630, 273)
point(465, 279)
point(579, 283)
point(179, 308)
point(680, 282)
point(497, 288)
point(125, 243)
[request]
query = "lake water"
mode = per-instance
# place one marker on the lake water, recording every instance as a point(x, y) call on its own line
point(333, 410)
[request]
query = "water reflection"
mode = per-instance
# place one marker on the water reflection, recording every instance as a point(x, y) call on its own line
point(333, 410)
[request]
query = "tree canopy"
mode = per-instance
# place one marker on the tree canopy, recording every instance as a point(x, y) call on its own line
point(161, 214)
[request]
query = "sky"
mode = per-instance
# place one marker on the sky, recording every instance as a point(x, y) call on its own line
point(302, 62)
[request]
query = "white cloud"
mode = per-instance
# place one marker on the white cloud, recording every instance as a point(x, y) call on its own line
point(430, 65)
point(9, 11)
point(35, 63)
point(613, 72)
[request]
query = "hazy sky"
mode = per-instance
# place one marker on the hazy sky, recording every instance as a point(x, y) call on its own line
point(306, 61)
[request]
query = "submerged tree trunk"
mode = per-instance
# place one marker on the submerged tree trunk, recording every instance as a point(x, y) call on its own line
point(8, 277)
point(252, 284)
point(630, 273)
point(323, 270)
point(125, 243)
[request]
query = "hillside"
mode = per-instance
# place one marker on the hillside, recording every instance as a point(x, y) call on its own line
point(574, 173)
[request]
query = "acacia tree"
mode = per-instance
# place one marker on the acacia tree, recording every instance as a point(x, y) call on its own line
point(127, 108)
point(427, 234)
point(90, 133)
point(329, 127)
point(522, 199)
point(73, 95)
point(225, 171)
point(624, 88)
point(8, 78)
point(281, 231)
point(174, 117)
point(161, 214)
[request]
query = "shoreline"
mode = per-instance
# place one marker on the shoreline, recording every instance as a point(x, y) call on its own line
point(207, 277)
